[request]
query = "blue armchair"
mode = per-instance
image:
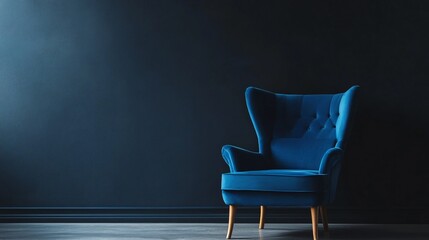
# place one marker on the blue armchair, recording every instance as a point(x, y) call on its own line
point(301, 144)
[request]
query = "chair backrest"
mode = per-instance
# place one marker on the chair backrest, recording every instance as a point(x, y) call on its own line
point(295, 131)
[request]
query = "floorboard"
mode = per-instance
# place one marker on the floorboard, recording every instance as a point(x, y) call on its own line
point(206, 231)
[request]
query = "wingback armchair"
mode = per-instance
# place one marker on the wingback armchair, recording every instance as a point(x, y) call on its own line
point(301, 142)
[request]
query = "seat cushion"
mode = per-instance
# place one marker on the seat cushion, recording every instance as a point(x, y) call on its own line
point(274, 180)
point(276, 187)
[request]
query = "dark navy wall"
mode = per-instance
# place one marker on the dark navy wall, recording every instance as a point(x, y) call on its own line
point(127, 103)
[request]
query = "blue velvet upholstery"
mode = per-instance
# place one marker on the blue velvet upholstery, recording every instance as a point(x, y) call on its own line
point(301, 143)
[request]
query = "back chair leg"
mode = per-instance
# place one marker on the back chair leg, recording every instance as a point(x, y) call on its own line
point(232, 210)
point(314, 220)
point(262, 218)
point(324, 213)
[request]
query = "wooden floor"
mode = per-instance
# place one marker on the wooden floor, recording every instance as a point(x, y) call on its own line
point(58, 231)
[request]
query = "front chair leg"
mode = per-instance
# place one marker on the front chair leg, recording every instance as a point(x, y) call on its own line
point(262, 218)
point(232, 210)
point(314, 220)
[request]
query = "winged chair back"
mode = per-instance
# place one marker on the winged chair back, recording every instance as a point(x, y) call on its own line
point(288, 125)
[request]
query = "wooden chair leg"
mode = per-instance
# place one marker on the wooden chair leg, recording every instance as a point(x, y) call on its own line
point(232, 210)
point(262, 218)
point(324, 214)
point(314, 220)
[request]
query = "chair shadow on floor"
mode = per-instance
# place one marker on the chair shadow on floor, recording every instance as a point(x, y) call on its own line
point(354, 232)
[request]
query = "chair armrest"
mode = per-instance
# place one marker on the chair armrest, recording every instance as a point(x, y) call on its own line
point(330, 159)
point(239, 159)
